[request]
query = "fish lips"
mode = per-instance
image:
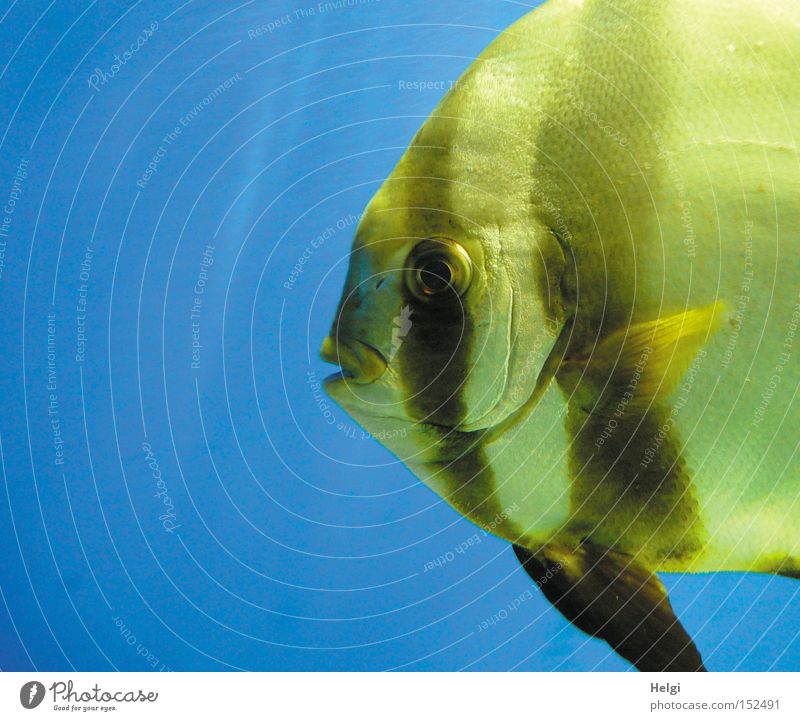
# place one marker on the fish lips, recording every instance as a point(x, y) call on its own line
point(360, 362)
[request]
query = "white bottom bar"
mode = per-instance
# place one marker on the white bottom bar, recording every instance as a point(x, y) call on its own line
point(405, 697)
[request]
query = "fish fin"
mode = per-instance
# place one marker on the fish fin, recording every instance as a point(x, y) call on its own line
point(651, 357)
point(611, 596)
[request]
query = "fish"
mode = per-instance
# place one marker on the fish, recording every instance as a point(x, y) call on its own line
point(572, 310)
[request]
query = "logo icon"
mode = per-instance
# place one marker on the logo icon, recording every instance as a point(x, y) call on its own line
point(402, 325)
point(31, 694)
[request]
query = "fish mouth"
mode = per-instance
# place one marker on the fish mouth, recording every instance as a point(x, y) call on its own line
point(360, 362)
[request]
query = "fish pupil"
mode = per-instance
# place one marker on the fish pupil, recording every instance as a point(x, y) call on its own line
point(436, 276)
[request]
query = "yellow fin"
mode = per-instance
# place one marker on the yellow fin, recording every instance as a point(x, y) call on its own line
point(647, 360)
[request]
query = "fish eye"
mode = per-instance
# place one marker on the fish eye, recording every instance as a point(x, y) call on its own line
point(436, 266)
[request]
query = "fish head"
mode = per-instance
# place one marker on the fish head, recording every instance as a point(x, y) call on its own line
point(451, 303)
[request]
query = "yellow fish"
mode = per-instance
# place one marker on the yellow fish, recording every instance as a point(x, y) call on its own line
point(573, 309)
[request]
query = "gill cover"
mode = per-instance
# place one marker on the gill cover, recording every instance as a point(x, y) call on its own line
point(516, 327)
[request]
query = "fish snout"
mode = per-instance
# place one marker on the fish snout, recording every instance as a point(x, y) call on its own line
point(358, 361)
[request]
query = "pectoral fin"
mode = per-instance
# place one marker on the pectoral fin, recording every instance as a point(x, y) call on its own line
point(611, 596)
point(648, 358)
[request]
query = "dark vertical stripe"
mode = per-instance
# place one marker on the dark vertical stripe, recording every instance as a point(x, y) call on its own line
point(618, 49)
point(434, 360)
point(631, 489)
